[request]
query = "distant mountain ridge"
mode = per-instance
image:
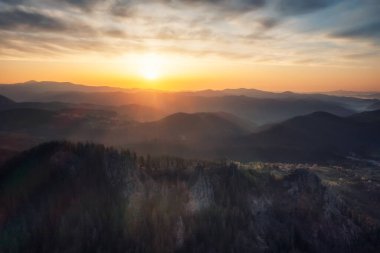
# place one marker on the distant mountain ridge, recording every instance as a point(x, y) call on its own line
point(195, 127)
point(375, 106)
point(109, 127)
point(262, 109)
point(359, 94)
point(32, 90)
point(5, 101)
point(48, 91)
point(316, 136)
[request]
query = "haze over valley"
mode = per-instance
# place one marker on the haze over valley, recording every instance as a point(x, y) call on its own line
point(243, 124)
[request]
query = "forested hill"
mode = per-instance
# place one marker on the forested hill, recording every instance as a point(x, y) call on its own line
point(63, 197)
point(5, 101)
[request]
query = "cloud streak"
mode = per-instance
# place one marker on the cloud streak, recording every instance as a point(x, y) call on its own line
point(297, 7)
point(251, 29)
point(370, 30)
point(23, 20)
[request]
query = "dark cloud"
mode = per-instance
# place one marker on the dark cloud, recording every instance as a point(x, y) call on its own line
point(295, 7)
point(125, 7)
point(283, 8)
point(362, 22)
point(12, 1)
point(268, 23)
point(237, 3)
point(83, 4)
point(365, 55)
point(116, 33)
point(367, 31)
point(19, 19)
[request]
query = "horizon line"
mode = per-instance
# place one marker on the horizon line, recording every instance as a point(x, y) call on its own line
point(121, 87)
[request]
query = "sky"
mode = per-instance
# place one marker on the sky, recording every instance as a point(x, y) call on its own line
point(276, 45)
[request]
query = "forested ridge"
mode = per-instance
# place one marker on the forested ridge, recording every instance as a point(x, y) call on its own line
point(64, 197)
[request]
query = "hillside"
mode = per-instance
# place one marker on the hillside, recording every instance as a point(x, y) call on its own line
point(24, 118)
point(319, 136)
point(133, 112)
point(248, 125)
point(178, 134)
point(374, 106)
point(358, 94)
point(367, 117)
point(183, 134)
point(34, 90)
point(29, 119)
point(5, 101)
point(179, 126)
point(138, 112)
point(195, 126)
point(313, 137)
point(101, 199)
point(352, 102)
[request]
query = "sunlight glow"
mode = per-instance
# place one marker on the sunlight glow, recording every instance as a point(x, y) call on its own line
point(150, 66)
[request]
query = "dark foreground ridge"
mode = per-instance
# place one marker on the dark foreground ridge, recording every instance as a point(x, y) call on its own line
point(63, 197)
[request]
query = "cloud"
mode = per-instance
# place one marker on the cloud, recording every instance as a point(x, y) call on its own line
point(361, 22)
point(268, 23)
point(296, 7)
point(370, 30)
point(12, 1)
point(365, 55)
point(86, 5)
point(268, 30)
point(18, 19)
point(83, 4)
point(233, 4)
point(126, 7)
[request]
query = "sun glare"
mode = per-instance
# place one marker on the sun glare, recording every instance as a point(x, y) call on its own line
point(150, 66)
point(150, 73)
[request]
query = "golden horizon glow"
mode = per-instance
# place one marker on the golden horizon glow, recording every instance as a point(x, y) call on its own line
point(150, 66)
point(174, 72)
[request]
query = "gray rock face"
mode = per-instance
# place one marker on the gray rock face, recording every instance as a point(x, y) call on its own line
point(201, 194)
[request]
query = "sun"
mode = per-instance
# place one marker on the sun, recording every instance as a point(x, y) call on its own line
point(150, 66)
point(150, 73)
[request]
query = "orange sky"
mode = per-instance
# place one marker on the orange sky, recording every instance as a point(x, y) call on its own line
point(203, 75)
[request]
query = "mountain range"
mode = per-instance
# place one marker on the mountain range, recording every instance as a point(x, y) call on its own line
point(316, 136)
point(240, 124)
point(313, 137)
point(260, 107)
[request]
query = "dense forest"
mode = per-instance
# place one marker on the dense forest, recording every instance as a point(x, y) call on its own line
point(64, 197)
